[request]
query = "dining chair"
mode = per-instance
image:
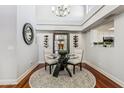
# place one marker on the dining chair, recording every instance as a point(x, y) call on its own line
point(49, 59)
point(77, 60)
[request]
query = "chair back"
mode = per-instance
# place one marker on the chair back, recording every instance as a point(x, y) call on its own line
point(79, 53)
point(82, 55)
point(47, 52)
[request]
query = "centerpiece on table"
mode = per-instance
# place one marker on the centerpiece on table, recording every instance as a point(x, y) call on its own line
point(63, 53)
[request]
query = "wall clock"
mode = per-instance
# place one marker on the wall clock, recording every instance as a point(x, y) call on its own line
point(28, 33)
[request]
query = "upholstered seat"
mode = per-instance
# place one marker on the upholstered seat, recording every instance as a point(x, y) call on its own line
point(49, 59)
point(76, 60)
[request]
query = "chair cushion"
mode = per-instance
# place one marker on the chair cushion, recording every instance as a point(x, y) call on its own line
point(74, 57)
point(51, 61)
point(50, 57)
point(74, 61)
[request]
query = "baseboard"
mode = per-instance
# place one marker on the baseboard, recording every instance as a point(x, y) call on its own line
point(16, 81)
point(26, 73)
point(119, 82)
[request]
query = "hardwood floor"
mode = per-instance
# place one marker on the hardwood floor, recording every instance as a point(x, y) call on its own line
point(101, 80)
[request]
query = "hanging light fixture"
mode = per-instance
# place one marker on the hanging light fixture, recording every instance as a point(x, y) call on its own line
point(61, 10)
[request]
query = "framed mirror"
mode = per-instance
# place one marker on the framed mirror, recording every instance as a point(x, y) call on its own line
point(28, 33)
point(61, 42)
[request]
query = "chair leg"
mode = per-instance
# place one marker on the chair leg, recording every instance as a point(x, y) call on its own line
point(73, 69)
point(50, 68)
point(68, 71)
point(80, 66)
point(45, 66)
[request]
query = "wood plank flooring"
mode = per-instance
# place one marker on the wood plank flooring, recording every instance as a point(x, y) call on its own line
point(101, 80)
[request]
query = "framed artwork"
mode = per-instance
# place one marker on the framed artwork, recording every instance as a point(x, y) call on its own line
point(75, 41)
point(46, 41)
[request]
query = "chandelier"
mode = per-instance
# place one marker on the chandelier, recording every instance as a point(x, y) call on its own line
point(61, 10)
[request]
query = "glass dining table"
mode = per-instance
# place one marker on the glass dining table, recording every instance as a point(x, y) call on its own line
point(62, 63)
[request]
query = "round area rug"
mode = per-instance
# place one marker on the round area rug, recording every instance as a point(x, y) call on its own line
point(81, 79)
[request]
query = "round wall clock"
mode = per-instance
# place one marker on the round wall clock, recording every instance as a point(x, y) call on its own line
point(28, 33)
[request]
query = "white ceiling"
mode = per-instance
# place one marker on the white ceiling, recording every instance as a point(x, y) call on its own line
point(45, 16)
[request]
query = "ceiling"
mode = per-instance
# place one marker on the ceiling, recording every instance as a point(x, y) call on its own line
point(44, 16)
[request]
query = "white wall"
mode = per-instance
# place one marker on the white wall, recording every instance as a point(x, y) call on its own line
point(40, 37)
point(27, 55)
point(15, 56)
point(8, 66)
point(111, 59)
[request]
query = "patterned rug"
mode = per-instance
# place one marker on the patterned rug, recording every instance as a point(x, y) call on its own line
point(81, 79)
